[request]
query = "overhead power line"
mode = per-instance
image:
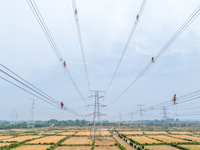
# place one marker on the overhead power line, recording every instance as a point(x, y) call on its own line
point(80, 40)
point(51, 41)
point(184, 26)
point(182, 99)
point(45, 97)
point(128, 42)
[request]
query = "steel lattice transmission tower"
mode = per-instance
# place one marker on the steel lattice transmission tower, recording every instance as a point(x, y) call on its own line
point(14, 117)
point(97, 124)
point(31, 122)
point(141, 110)
point(165, 116)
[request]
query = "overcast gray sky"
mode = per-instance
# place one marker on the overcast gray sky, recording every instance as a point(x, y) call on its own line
point(105, 27)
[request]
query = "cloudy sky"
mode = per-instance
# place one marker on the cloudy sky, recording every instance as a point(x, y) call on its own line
point(105, 27)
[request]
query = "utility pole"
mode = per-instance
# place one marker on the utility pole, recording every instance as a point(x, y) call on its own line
point(141, 109)
point(31, 122)
point(97, 115)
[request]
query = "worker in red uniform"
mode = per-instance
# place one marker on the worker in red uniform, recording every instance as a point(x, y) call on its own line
point(137, 17)
point(61, 105)
point(76, 11)
point(152, 60)
point(174, 99)
point(64, 64)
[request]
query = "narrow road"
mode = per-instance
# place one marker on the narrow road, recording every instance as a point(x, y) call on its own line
point(123, 143)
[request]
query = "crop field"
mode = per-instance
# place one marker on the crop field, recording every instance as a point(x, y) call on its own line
point(66, 133)
point(74, 148)
point(106, 142)
point(21, 138)
point(176, 132)
point(155, 132)
point(168, 139)
point(5, 137)
point(105, 132)
point(187, 137)
point(21, 130)
point(48, 139)
point(123, 143)
point(131, 132)
point(78, 140)
point(3, 144)
point(33, 147)
point(191, 147)
point(161, 147)
point(86, 133)
point(143, 139)
point(106, 148)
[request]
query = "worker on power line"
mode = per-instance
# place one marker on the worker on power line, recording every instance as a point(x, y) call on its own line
point(152, 60)
point(64, 64)
point(174, 99)
point(137, 17)
point(61, 105)
point(76, 12)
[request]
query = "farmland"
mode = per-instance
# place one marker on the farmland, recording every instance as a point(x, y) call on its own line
point(161, 147)
point(33, 147)
point(168, 139)
point(87, 133)
point(131, 132)
point(191, 147)
point(174, 132)
point(106, 148)
point(66, 133)
point(5, 137)
point(48, 139)
point(21, 138)
point(83, 133)
point(187, 137)
point(3, 144)
point(105, 142)
point(155, 132)
point(78, 141)
point(73, 139)
point(74, 148)
point(143, 139)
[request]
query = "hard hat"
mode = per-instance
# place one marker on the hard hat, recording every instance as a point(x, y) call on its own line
point(174, 94)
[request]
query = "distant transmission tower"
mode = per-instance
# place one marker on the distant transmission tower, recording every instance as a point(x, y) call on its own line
point(97, 125)
point(31, 122)
point(165, 116)
point(14, 117)
point(132, 117)
point(141, 110)
point(120, 119)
